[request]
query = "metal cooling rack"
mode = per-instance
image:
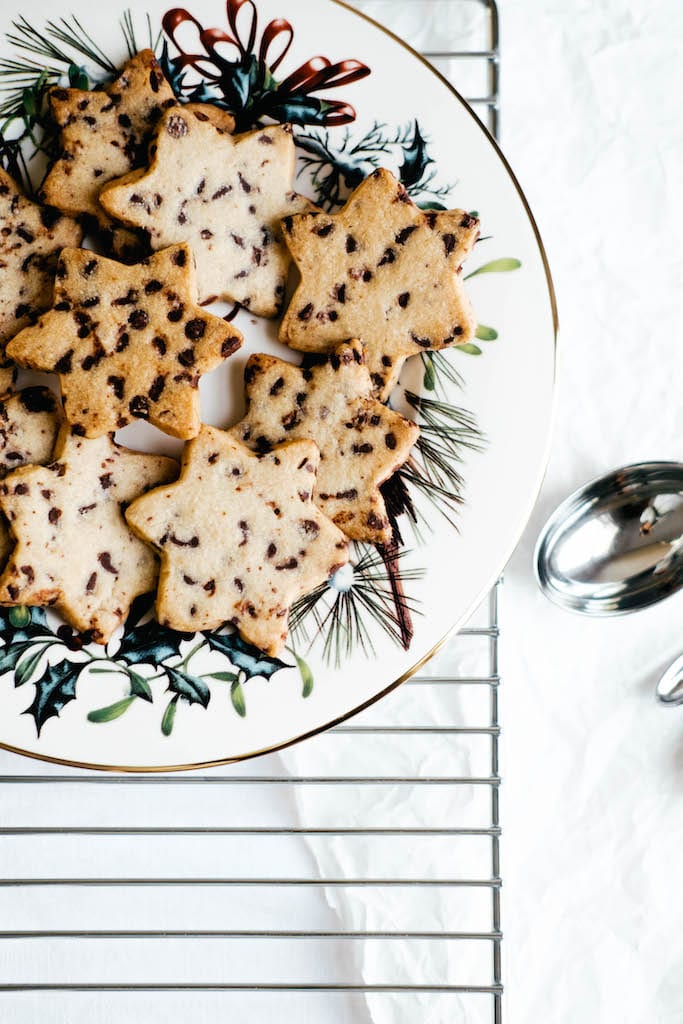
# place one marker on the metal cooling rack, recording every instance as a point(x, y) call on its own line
point(116, 892)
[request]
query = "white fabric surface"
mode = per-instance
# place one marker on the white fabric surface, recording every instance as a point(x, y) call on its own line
point(593, 768)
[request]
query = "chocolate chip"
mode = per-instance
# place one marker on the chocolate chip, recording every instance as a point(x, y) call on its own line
point(186, 357)
point(339, 292)
point(139, 407)
point(156, 388)
point(229, 346)
point(94, 300)
point(244, 527)
point(180, 258)
point(210, 586)
point(272, 550)
point(388, 257)
point(63, 365)
point(449, 243)
point(193, 542)
point(404, 234)
point(87, 508)
point(387, 361)
point(138, 319)
point(390, 441)
point(195, 329)
point(367, 275)
point(160, 345)
point(403, 299)
point(78, 429)
point(212, 458)
point(306, 312)
point(104, 558)
point(26, 235)
point(128, 299)
point(362, 449)
point(205, 233)
point(237, 582)
point(291, 563)
point(309, 527)
point(175, 314)
point(124, 121)
point(325, 230)
point(123, 342)
point(90, 585)
point(152, 287)
point(54, 515)
point(37, 400)
point(351, 243)
point(246, 187)
point(224, 190)
point(277, 387)
point(176, 126)
point(105, 481)
point(117, 385)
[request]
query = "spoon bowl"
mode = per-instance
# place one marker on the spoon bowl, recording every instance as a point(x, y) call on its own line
point(616, 544)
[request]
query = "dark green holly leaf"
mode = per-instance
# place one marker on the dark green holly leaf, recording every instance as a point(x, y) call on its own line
point(55, 688)
point(139, 687)
point(431, 205)
point(169, 716)
point(111, 712)
point(252, 661)
point(191, 688)
point(237, 698)
point(147, 642)
point(78, 77)
point(416, 160)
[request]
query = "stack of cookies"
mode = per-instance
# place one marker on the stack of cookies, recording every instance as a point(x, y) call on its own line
point(181, 212)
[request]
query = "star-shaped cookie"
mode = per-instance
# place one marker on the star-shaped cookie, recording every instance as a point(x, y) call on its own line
point(74, 549)
point(361, 441)
point(239, 537)
point(225, 195)
point(104, 133)
point(128, 342)
point(30, 239)
point(29, 423)
point(381, 270)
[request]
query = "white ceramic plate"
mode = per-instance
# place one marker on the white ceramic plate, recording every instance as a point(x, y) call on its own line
point(508, 388)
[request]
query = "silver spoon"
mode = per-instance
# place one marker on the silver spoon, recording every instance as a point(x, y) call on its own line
point(616, 545)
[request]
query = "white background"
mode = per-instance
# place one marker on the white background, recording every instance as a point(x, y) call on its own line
point(593, 796)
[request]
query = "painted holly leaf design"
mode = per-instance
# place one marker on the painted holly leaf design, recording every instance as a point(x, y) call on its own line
point(23, 629)
point(190, 688)
point(147, 641)
point(55, 688)
point(251, 660)
point(416, 159)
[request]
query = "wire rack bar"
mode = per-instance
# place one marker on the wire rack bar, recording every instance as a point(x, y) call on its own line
point(27, 795)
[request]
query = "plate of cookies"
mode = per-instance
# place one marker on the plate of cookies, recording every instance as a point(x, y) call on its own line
point(277, 355)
